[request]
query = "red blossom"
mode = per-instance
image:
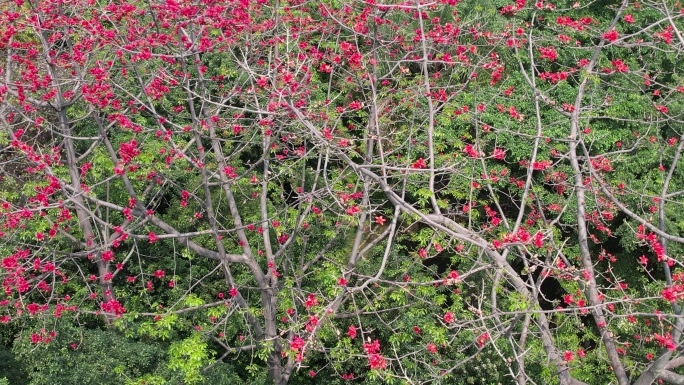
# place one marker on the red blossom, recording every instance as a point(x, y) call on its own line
point(113, 306)
point(568, 356)
point(548, 53)
point(453, 275)
point(482, 339)
point(377, 361)
point(311, 301)
point(619, 66)
point(420, 163)
point(499, 154)
point(611, 35)
point(152, 237)
point(297, 343)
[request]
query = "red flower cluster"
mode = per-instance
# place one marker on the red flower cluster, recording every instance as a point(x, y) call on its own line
point(113, 306)
point(375, 359)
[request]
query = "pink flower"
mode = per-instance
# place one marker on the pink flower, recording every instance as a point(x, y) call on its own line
point(233, 292)
point(352, 332)
point(449, 317)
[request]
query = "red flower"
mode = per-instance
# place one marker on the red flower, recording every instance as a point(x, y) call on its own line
point(482, 339)
point(311, 301)
point(113, 306)
point(662, 109)
point(449, 317)
point(420, 163)
point(380, 220)
point(619, 66)
point(372, 348)
point(152, 237)
point(297, 343)
point(107, 256)
point(376, 361)
point(159, 274)
point(611, 35)
point(628, 19)
point(233, 292)
point(352, 332)
point(499, 154)
point(548, 53)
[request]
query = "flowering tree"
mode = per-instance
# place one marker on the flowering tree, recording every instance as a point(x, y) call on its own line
point(400, 192)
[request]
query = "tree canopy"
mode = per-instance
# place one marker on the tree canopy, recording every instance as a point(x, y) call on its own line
point(272, 191)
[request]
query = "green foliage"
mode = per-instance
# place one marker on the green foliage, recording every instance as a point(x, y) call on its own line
point(78, 356)
point(189, 356)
